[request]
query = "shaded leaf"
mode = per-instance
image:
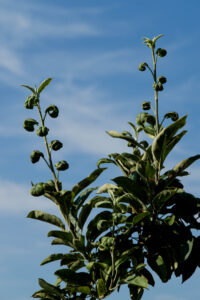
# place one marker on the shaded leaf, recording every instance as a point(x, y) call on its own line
point(49, 287)
point(101, 288)
point(74, 278)
point(92, 231)
point(131, 186)
point(160, 199)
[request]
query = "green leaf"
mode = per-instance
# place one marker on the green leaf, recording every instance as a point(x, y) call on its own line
point(87, 181)
point(150, 131)
point(53, 111)
point(159, 266)
point(135, 292)
point(106, 187)
point(139, 217)
point(160, 199)
point(105, 161)
point(29, 124)
point(92, 231)
point(83, 197)
point(73, 261)
point(49, 287)
point(52, 257)
point(115, 134)
point(28, 87)
point(64, 236)
point(186, 249)
point(44, 84)
point(140, 281)
point(84, 214)
point(45, 217)
point(134, 129)
point(136, 204)
point(173, 143)
point(80, 289)
point(185, 164)
point(71, 277)
point(131, 186)
point(164, 137)
point(101, 288)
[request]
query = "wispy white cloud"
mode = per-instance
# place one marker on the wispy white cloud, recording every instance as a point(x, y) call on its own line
point(85, 115)
point(15, 198)
point(9, 61)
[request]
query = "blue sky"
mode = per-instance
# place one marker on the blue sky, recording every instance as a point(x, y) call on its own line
point(92, 50)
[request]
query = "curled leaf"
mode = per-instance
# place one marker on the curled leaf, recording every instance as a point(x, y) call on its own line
point(146, 105)
point(62, 165)
point(142, 66)
point(55, 145)
point(162, 79)
point(29, 124)
point(42, 131)
point(172, 115)
point(52, 110)
point(161, 52)
point(31, 101)
point(35, 156)
point(37, 189)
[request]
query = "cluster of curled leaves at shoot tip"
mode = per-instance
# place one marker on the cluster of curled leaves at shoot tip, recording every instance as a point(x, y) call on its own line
point(145, 221)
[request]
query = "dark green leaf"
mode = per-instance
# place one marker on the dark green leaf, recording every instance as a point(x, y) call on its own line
point(83, 197)
point(92, 231)
point(28, 87)
point(161, 140)
point(71, 277)
point(65, 236)
point(135, 292)
point(52, 257)
point(42, 216)
point(160, 199)
point(173, 143)
point(136, 204)
point(131, 186)
point(140, 281)
point(37, 189)
point(159, 266)
point(101, 288)
point(139, 217)
point(29, 124)
point(87, 181)
point(49, 287)
point(85, 212)
point(52, 110)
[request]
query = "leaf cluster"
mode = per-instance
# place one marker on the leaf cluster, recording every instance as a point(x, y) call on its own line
point(144, 221)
